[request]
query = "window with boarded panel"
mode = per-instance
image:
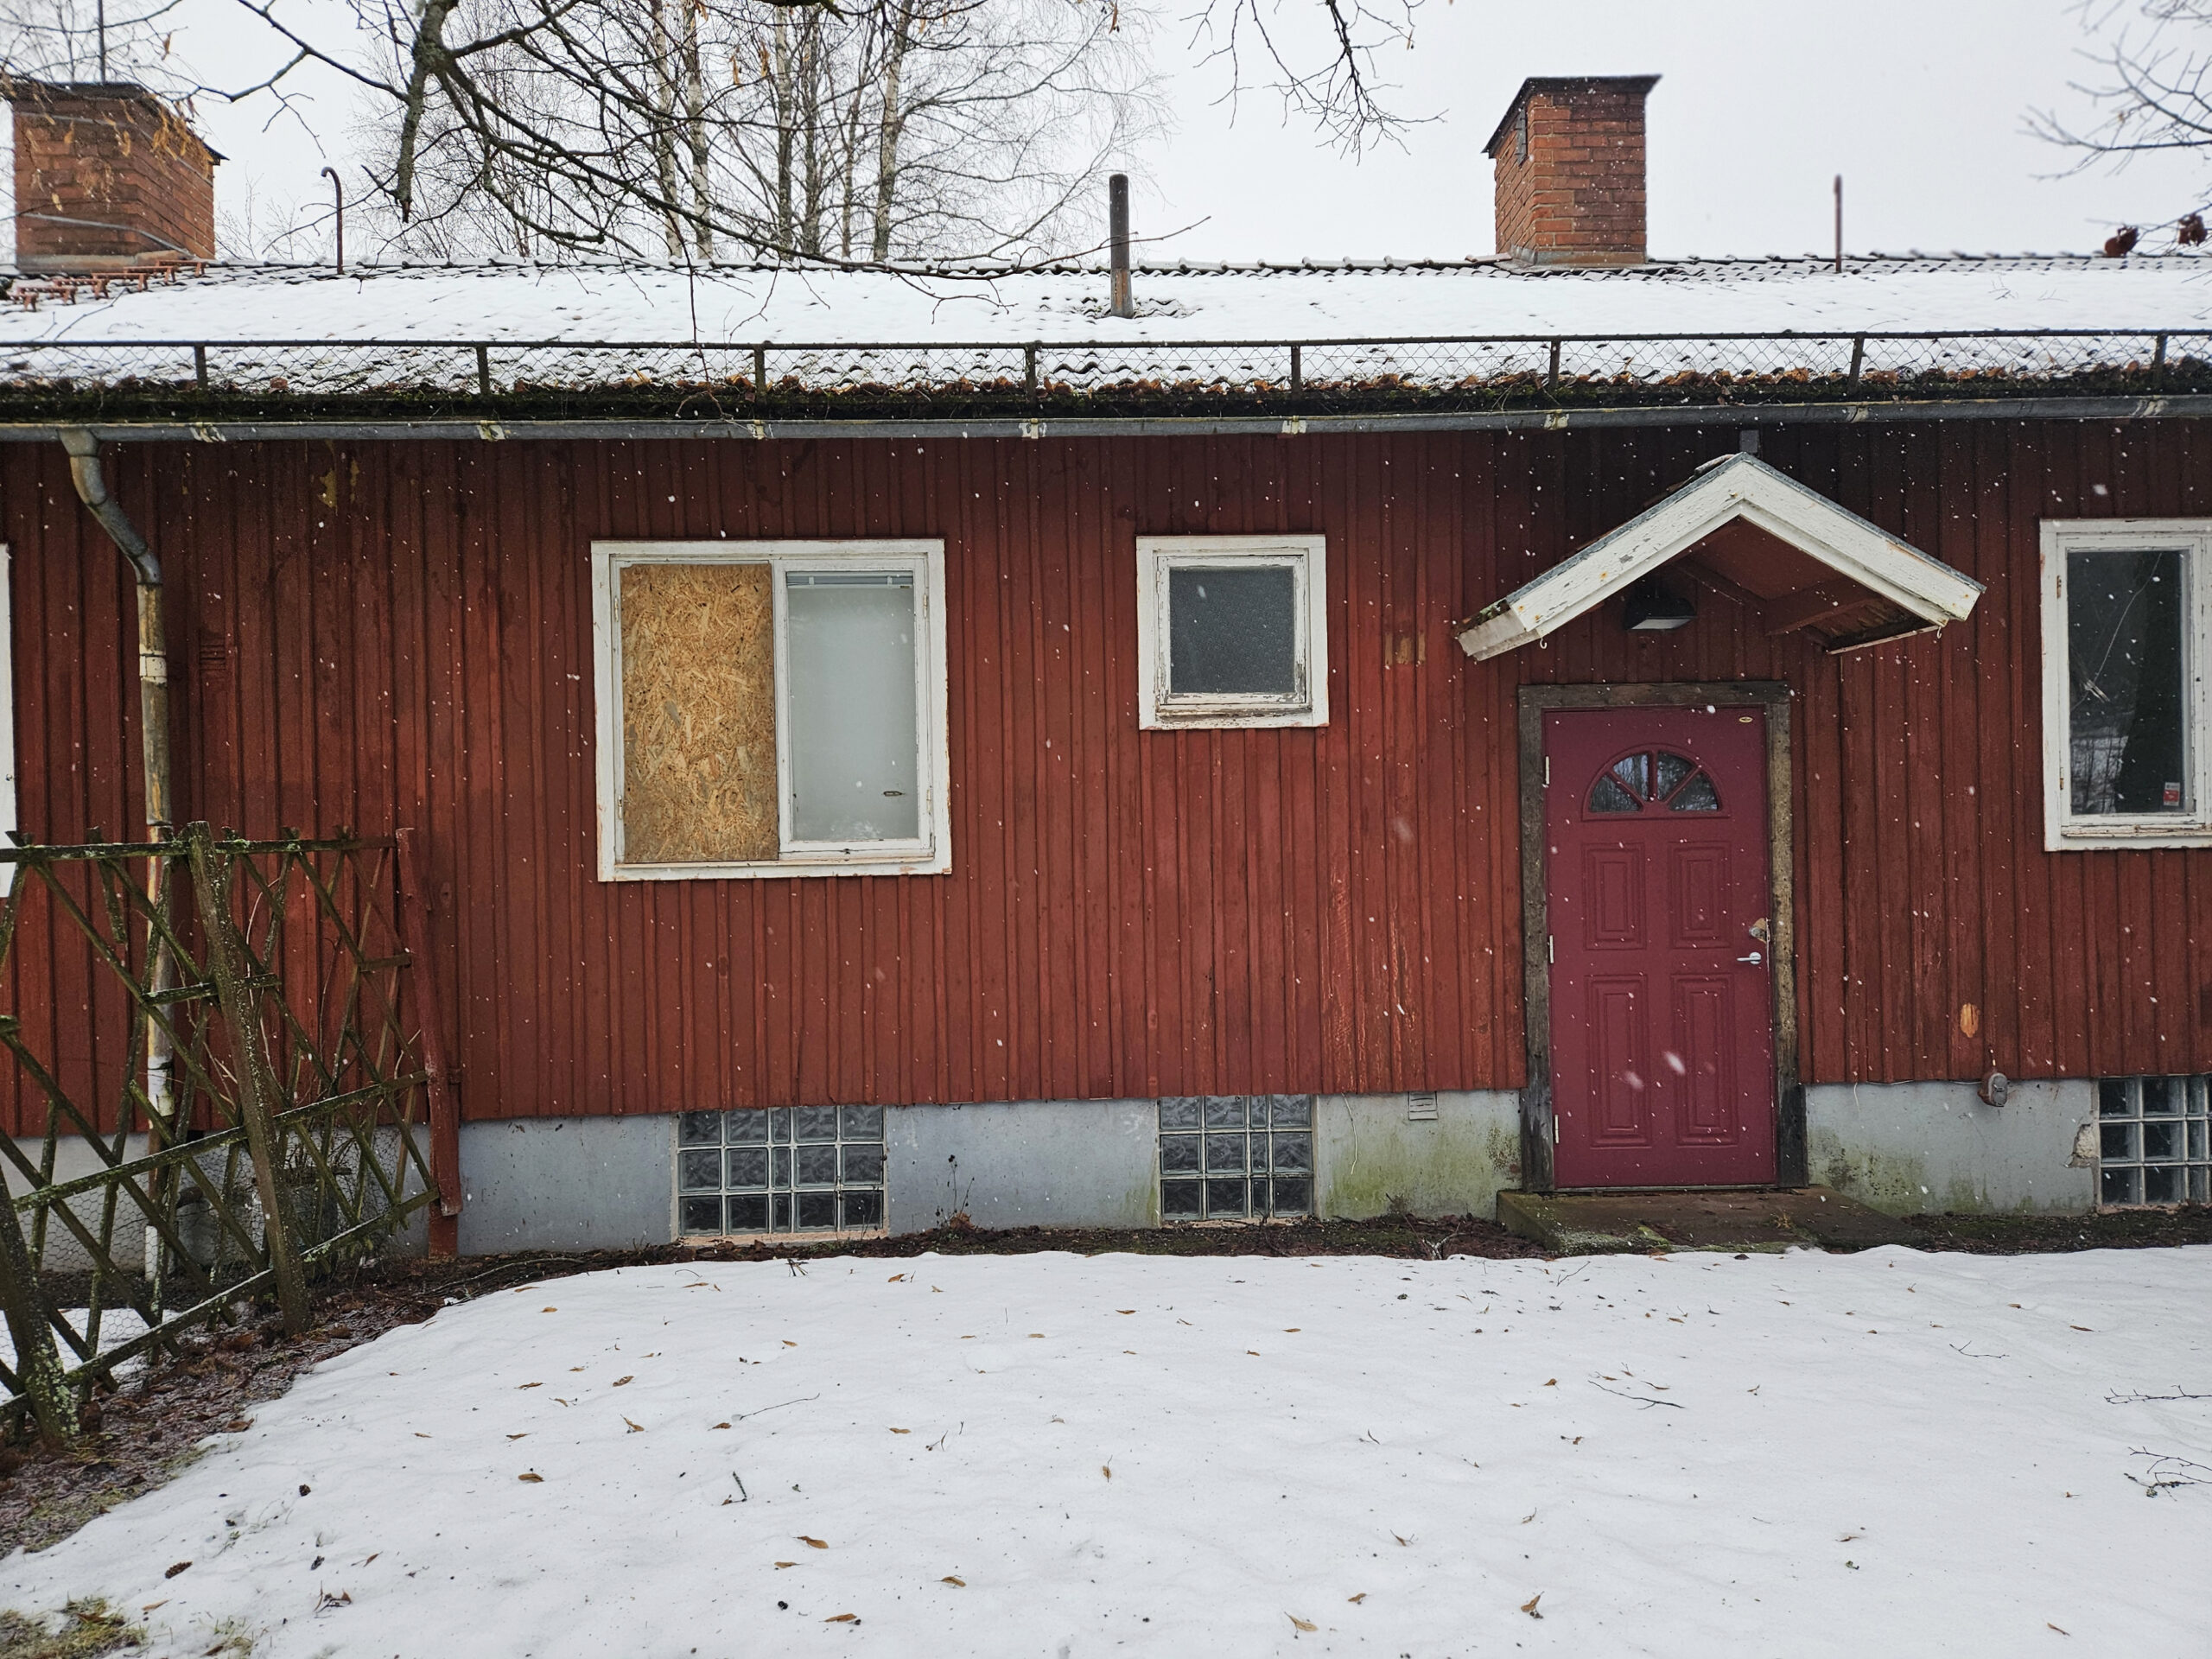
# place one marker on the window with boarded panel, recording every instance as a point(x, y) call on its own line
point(769, 709)
point(698, 712)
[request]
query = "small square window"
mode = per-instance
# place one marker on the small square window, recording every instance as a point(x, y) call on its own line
point(2128, 706)
point(2154, 1140)
point(1231, 631)
point(1217, 1153)
point(804, 1169)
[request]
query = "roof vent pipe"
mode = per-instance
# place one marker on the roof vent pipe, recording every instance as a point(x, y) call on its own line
point(1117, 199)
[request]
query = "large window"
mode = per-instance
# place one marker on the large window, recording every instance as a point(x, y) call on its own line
point(2126, 619)
point(1230, 631)
point(769, 709)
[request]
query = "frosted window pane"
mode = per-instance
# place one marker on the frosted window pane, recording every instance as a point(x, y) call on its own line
point(854, 739)
point(1232, 631)
point(2124, 657)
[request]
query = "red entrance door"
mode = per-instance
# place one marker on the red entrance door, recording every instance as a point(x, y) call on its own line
point(1657, 880)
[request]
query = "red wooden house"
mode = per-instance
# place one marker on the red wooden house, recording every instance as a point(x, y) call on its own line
point(887, 745)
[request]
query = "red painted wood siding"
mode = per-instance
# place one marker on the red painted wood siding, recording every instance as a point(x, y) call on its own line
point(372, 635)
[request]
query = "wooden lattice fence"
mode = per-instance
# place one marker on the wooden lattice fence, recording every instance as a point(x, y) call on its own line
point(215, 1094)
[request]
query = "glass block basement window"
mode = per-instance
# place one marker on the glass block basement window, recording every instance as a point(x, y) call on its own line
point(787, 1169)
point(2152, 1136)
point(1236, 1157)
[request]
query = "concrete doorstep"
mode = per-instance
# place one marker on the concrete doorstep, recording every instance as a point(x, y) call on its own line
point(1592, 1223)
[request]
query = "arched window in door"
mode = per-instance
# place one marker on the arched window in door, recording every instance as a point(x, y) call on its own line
point(1653, 779)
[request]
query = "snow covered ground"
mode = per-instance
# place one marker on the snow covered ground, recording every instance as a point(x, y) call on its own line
point(1881, 1454)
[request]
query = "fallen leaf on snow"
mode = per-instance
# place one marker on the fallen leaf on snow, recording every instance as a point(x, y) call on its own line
point(1106, 1469)
point(718, 1426)
point(1553, 1383)
point(1355, 1600)
point(548, 1310)
point(957, 1584)
point(523, 1436)
point(1530, 1605)
point(619, 1381)
point(1125, 1310)
point(2080, 1327)
point(535, 1480)
point(1301, 1624)
point(1292, 1330)
point(178, 1568)
point(841, 1618)
point(811, 1543)
point(783, 1564)
point(894, 1278)
point(902, 1431)
point(1400, 1541)
point(788, 1343)
point(635, 1429)
point(420, 1435)
point(1036, 1336)
point(519, 1387)
point(164, 1601)
point(2047, 1624)
point(238, 1425)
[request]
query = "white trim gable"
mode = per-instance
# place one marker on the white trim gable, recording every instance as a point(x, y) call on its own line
point(1737, 486)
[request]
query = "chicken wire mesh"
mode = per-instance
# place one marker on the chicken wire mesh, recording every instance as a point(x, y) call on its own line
point(733, 380)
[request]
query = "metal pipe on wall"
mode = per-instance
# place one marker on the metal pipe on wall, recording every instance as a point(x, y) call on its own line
point(84, 452)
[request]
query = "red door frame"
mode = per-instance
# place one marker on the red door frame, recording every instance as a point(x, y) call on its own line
point(1772, 700)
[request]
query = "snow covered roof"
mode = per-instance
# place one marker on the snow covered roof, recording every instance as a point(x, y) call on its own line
point(1393, 327)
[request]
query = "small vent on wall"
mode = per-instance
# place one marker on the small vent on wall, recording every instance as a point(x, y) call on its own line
point(1420, 1108)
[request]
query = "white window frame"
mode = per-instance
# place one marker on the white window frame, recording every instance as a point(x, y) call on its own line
point(929, 854)
point(2064, 829)
point(1306, 557)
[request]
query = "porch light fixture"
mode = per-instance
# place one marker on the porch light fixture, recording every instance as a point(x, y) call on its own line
point(1650, 607)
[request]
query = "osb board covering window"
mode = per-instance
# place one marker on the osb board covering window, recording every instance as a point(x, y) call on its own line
point(698, 714)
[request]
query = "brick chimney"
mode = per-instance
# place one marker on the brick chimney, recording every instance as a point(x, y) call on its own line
point(107, 177)
point(1569, 155)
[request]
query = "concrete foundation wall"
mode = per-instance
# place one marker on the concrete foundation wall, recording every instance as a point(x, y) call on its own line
point(1912, 1147)
point(568, 1184)
point(1087, 1163)
point(1371, 1159)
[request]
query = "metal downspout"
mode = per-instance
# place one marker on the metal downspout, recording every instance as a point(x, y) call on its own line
point(84, 451)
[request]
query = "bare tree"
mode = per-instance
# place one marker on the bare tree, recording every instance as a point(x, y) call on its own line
point(2152, 92)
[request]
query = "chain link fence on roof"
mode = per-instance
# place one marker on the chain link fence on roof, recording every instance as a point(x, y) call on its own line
point(294, 379)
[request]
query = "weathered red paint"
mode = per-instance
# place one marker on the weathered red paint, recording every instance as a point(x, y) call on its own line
point(387, 635)
point(1661, 1033)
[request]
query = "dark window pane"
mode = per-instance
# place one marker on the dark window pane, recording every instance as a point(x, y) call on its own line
point(700, 1171)
point(863, 1163)
point(1672, 768)
point(863, 1208)
point(749, 1215)
point(779, 1123)
point(1295, 1154)
point(1293, 1197)
point(2124, 634)
point(747, 1165)
point(814, 1123)
point(1696, 795)
point(2162, 1185)
point(818, 1165)
point(2118, 1140)
point(1182, 1112)
point(702, 1215)
point(1635, 775)
point(2118, 1186)
point(1232, 631)
point(1179, 1200)
point(2111, 1098)
point(1225, 1199)
point(1224, 1152)
point(861, 1122)
point(746, 1129)
point(783, 1212)
point(2162, 1141)
point(700, 1129)
point(783, 1166)
point(1609, 796)
point(1225, 1111)
point(2161, 1096)
point(818, 1208)
point(1179, 1154)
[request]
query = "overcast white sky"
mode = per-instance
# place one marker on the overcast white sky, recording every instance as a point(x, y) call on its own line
point(1918, 103)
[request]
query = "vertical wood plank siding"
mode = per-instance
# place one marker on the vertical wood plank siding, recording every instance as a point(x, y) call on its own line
point(375, 635)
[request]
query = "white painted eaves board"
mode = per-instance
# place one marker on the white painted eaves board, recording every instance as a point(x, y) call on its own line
point(1739, 486)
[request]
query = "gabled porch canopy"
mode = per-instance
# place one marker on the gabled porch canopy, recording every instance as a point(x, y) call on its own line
point(1790, 555)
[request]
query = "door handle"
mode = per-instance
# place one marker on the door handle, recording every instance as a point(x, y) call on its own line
point(1754, 958)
